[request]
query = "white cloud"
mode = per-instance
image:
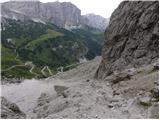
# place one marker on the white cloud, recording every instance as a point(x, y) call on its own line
point(99, 7)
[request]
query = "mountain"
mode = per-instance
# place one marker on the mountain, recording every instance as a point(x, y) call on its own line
point(62, 14)
point(126, 85)
point(96, 21)
point(132, 37)
point(36, 49)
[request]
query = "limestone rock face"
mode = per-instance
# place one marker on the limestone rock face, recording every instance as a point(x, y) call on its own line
point(132, 37)
point(96, 21)
point(61, 14)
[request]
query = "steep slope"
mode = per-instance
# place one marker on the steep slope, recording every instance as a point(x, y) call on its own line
point(62, 14)
point(94, 39)
point(96, 21)
point(76, 94)
point(124, 93)
point(132, 37)
point(42, 45)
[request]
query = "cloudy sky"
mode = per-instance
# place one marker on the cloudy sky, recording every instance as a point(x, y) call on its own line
point(99, 7)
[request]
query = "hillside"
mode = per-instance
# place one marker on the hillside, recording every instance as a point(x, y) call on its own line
point(39, 41)
point(44, 45)
point(123, 83)
point(76, 94)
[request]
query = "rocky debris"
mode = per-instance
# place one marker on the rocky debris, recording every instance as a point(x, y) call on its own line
point(43, 99)
point(99, 99)
point(52, 107)
point(154, 111)
point(156, 66)
point(60, 89)
point(5, 80)
point(132, 37)
point(10, 110)
point(145, 101)
point(84, 70)
point(117, 76)
point(155, 93)
point(87, 80)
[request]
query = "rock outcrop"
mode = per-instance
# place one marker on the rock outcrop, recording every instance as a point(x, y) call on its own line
point(96, 21)
point(132, 37)
point(62, 14)
point(10, 110)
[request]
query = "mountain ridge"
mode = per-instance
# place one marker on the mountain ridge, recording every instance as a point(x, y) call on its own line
point(62, 14)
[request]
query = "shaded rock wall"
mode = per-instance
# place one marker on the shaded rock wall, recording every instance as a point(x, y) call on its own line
point(132, 37)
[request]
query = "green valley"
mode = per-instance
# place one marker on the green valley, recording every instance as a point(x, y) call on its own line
point(31, 49)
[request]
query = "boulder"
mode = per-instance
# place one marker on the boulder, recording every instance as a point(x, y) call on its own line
point(60, 89)
point(10, 110)
point(145, 101)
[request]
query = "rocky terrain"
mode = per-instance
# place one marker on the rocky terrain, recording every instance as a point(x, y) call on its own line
point(123, 83)
point(76, 94)
point(96, 21)
point(132, 37)
point(38, 38)
point(118, 96)
point(62, 14)
point(10, 110)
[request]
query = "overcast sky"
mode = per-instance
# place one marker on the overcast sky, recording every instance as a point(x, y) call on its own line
point(99, 7)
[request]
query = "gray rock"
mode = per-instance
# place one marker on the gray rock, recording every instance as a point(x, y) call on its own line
point(96, 21)
point(43, 99)
point(153, 111)
point(145, 101)
point(156, 66)
point(62, 14)
point(60, 89)
point(155, 93)
point(132, 37)
point(10, 110)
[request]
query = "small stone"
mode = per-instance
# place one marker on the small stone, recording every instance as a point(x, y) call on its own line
point(59, 89)
point(96, 116)
point(155, 93)
point(108, 84)
point(156, 66)
point(145, 101)
point(87, 80)
point(110, 105)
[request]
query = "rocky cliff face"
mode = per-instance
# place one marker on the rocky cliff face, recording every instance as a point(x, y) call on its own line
point(132, 37)
point(96, 21)
point(63, 14)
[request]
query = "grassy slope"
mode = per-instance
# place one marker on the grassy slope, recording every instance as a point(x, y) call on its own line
point(34, 42)
point(8, 58)
point(50, 34)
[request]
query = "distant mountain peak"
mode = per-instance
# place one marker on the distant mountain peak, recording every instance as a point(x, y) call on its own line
point(96, 21)
point(61, 14)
